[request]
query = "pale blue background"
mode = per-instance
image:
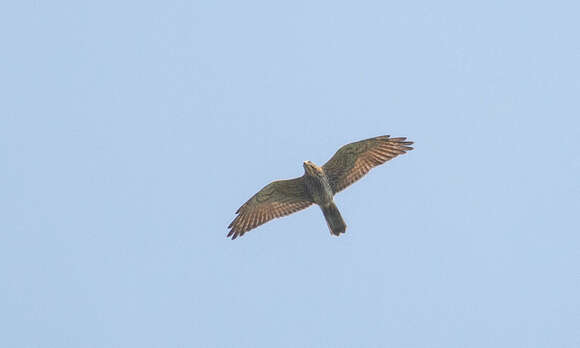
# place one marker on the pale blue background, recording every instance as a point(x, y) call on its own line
point(130, 132)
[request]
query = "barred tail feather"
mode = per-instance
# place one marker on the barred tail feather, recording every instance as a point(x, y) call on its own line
point(333, 219)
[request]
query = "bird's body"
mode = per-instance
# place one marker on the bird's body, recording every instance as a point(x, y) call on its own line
point(318, 188)
point(318, 185)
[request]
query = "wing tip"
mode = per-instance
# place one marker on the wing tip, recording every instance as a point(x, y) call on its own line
point(233, 234)
point(399, 140)
point(403, 143)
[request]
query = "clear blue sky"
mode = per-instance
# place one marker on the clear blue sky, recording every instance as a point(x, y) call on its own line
point(130, 132)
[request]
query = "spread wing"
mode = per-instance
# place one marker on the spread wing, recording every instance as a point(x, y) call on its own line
point(351, 162)
point(279, 198)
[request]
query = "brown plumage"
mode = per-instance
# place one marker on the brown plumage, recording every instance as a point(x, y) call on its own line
point(318, 185)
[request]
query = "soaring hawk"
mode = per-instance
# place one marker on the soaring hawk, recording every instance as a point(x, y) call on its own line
point(318, 185)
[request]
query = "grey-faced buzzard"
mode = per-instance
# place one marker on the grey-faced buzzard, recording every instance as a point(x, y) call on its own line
point(318, 185)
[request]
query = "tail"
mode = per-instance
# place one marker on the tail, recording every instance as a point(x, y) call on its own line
point(333, 219)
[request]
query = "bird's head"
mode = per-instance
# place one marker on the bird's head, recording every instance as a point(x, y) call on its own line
point(312, 169)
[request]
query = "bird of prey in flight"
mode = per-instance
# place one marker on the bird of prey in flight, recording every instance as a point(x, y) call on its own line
point(318, 185)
